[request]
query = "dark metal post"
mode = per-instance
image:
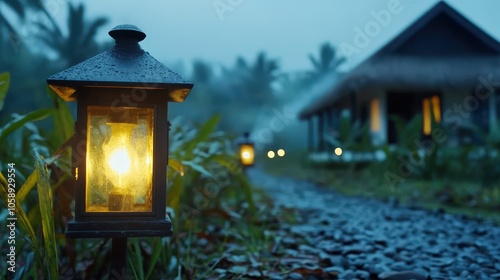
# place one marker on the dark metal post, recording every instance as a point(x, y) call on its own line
point(118, 258)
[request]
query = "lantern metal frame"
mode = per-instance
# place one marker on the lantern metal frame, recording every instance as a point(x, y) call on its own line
point(124, 76)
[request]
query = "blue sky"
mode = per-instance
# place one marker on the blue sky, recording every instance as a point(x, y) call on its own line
point(219, 30)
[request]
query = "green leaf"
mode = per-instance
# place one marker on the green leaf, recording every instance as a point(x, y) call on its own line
point(27, 186)
point(202, 135)
point(12, 126)
point(157, 248)
point(22, 218)
point(207, 128)
point(4, 87)
point(227, 161)
point(139, 269)
point(45, 199)
point(198, 168)
point(176, 165)
point(63, 120)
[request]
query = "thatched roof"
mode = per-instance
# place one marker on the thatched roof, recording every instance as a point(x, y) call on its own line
point(391, 69)
point(411, 73)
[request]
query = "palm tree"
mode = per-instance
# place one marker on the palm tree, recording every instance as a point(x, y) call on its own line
point(256, 80)
point(18, 9)
point(326, 62)
point(79, 43)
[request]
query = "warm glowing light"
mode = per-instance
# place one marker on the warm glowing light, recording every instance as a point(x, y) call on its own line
point(119, 161)
point(436, 108)
point(270, 154)
point(426, 113)
point(375, 115)
point(281, 152)
point(338, 151)
point(247, 154)
point(119, 169)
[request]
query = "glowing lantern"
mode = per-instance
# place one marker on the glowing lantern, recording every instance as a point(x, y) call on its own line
point(120, 146)
point(247, 151)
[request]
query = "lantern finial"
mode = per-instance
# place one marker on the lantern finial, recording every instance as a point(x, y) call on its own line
point(127, 32)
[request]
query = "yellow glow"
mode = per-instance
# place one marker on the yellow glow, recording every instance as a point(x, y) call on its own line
point(270, 154)
point(375, 115)
point(426, 113)
point(119, 161)
point(281, 152)
point(119, 171)
point(247, 154)
point(436, 108)
point(338, 151)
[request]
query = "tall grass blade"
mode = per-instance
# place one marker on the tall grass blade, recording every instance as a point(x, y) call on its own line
point(4, 87)
point(27, 187)
point(45, 199)
point(138, 255)
point(157, 248)
point(22, 218)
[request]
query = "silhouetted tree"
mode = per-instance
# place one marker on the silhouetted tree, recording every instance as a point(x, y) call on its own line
point(326, 62)
point(79, 43)
point(255, 80)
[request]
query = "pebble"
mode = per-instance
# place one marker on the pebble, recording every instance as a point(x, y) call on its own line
point(363, 238)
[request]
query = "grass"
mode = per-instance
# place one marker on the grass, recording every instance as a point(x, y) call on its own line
point(458, 197)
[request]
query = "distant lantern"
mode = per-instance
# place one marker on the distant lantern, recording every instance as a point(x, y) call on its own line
point(338, 151)
point(246, 151)
point(120, 145)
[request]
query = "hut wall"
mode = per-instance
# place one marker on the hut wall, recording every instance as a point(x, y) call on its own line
point(454, 118)
point(365, 113)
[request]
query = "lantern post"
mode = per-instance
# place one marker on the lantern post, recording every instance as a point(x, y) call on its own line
point(120, 144)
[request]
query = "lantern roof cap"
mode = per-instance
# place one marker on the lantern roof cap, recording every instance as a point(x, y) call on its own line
point(126, 65)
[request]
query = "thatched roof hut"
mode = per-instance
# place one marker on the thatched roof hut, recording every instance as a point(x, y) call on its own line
point(434, 64)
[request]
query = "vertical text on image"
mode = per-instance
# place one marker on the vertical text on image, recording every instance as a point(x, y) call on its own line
point(11, 217)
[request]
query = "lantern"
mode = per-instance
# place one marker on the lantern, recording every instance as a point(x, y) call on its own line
point(120, 145)
point(246, 151)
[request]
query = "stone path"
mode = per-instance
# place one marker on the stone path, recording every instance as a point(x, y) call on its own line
point(363, 238)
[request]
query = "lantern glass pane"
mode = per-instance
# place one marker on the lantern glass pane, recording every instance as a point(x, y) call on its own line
point(119, 159)
point(247, 154)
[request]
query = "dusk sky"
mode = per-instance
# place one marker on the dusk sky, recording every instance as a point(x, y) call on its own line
point(218, 31)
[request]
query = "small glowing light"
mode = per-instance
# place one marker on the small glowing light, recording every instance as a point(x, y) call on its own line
point(338, 151)
point(270, 154)
point(281, 152)
point(119, 161)
point(246, 155)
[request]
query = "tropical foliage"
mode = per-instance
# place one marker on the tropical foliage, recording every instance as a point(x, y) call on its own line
point(203, 170)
